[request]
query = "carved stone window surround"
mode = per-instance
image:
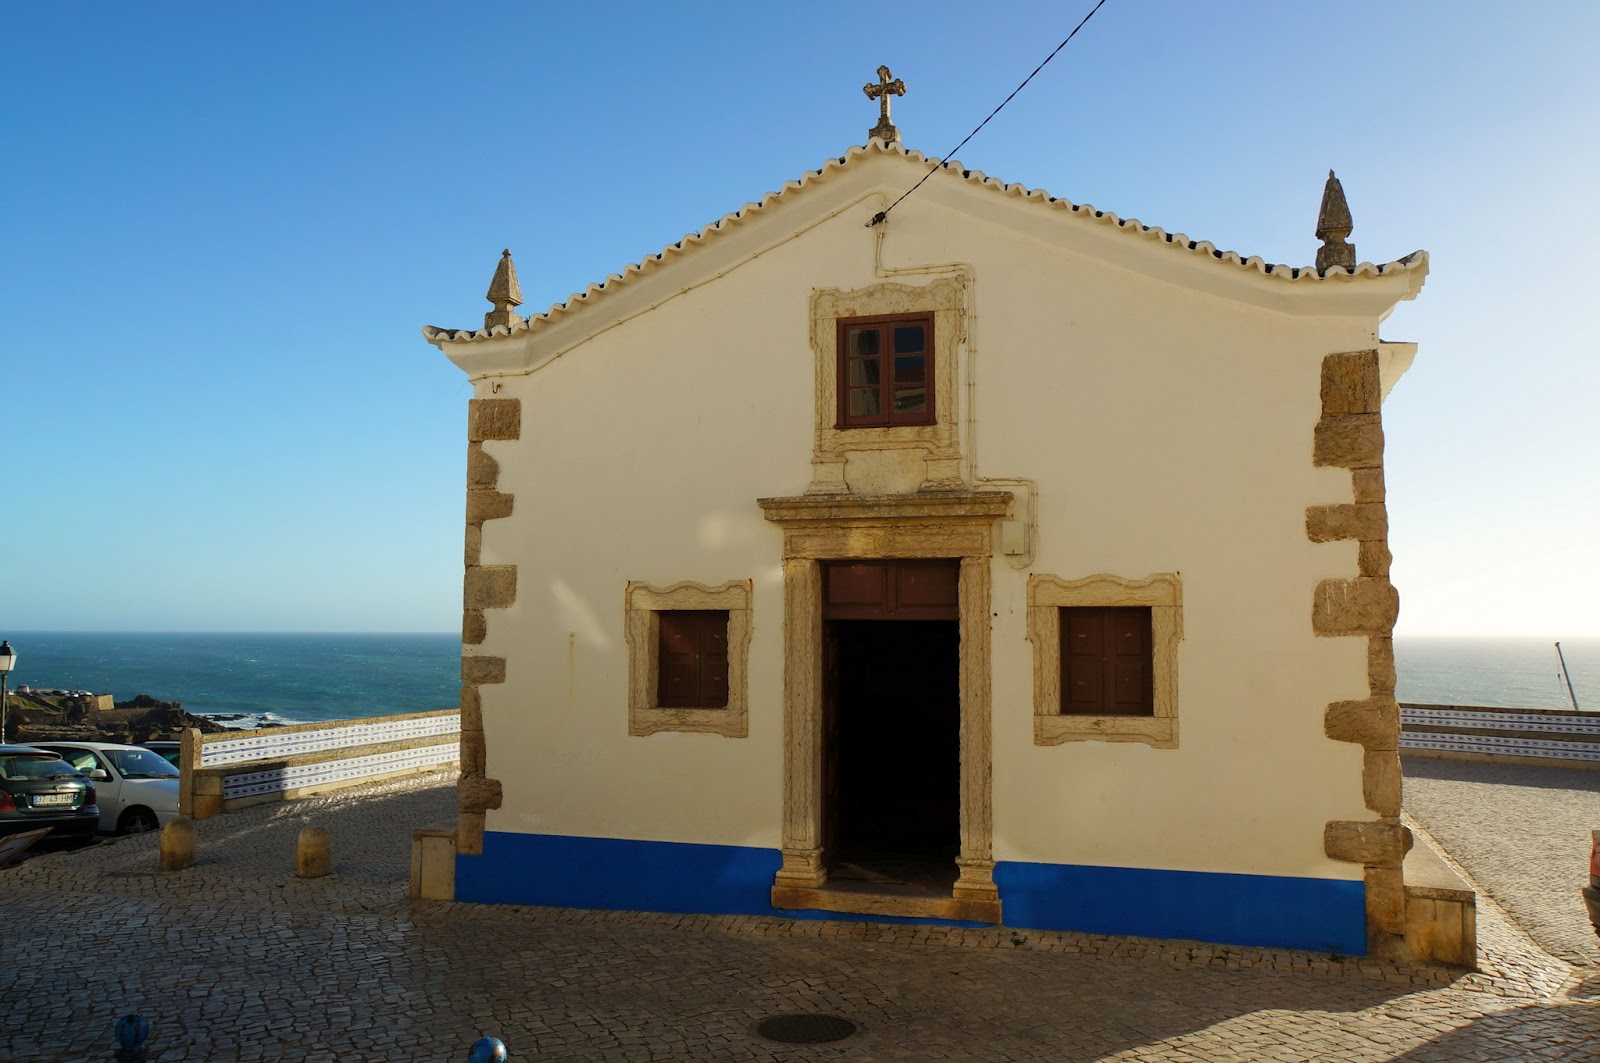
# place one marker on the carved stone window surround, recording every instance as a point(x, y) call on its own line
point(642, 631)
point(1047, 596)
point(817, 528)
point(939, 442)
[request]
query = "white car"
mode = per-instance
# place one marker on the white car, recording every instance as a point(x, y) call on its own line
point(137, 788)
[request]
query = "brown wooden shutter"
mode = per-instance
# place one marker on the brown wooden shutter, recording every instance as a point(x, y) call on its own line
point(1106, 661)
point(693, 659)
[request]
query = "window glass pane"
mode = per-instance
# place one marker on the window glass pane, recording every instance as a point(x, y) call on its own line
point(863, 403)
point(908, 339)
point(864, 371)
point(911, 400)
point(142, 764)
point(908, 369)
point(862, 342)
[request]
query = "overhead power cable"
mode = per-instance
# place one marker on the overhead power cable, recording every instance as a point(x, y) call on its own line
point(883, 214)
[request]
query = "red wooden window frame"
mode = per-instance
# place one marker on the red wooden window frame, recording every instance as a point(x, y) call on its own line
point(1107, 661)
point(883, 364)
point(692, 659)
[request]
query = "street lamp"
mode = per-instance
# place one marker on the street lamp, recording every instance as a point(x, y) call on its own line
point(8, 661)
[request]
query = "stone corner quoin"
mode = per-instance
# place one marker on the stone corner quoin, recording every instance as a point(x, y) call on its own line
point(484, 588)
point(1349, 435)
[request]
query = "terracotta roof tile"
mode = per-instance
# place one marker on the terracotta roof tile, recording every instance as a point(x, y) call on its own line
point(1132, 226)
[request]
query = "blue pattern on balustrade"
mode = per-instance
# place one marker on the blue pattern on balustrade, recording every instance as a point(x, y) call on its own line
point(218, 751)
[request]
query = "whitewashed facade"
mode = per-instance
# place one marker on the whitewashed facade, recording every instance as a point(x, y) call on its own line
point(1121, 419)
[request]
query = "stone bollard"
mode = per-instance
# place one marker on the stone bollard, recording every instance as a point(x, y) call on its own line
point(313, 855)
point(129, 1035)
point(487, 1050)
point(177, 844)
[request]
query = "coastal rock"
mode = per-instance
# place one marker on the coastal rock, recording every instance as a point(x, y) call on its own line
point(139, 719)
point(145, 701)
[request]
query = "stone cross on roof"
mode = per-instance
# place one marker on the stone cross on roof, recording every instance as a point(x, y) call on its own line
point(881, 92)
point(505, 293)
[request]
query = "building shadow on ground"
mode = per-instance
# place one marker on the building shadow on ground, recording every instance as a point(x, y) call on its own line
point(1568, 1031)
point(1542, 776)
point(710, 984)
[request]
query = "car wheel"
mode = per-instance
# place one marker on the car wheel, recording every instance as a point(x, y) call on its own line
point(137, 821)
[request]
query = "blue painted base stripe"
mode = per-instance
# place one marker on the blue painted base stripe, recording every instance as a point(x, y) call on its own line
point(1323, 915)
point(561, 871)
point(570, 872)
point(1320, 915)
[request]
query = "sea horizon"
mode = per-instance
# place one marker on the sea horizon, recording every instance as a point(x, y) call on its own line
point(277, 677)
point(251, 678)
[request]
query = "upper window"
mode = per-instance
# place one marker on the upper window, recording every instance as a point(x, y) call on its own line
point(886, 371)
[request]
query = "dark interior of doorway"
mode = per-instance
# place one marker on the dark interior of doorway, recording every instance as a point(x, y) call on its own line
point(896, 752)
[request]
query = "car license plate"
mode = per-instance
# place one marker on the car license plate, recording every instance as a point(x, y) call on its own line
point(52, 799)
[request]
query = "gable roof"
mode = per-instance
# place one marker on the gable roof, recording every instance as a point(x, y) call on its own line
point(1134, 229)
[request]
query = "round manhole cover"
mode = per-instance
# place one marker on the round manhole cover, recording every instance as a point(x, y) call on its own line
point(805, 1029)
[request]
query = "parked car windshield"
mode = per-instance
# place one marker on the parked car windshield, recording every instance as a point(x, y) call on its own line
point(36, 766)
point(141, 764)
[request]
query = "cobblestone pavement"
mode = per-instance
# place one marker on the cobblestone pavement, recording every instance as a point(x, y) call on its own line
point(1522, 833)
point(235, 959)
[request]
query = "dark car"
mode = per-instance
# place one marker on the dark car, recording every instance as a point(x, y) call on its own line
point(1591, 892)
point(169, 749)
point(39, 789)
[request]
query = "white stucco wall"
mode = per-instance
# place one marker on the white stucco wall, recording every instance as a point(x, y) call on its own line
point(1164, 406)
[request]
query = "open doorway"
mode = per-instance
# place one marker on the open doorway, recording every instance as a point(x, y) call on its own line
point(892, 749)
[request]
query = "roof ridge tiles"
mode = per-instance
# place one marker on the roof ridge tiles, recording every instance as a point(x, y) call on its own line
point(686, 244)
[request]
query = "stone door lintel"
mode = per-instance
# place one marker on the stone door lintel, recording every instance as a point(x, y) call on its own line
point(819, 528)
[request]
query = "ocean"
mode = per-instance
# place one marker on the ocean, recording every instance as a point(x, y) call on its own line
point(258, 678)
point(1513, 673)
point(286, 678)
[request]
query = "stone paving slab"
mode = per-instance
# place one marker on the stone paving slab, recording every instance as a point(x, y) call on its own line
point(237, 960)
point(1522, 834)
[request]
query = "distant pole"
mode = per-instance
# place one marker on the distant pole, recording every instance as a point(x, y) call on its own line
point(8, 661)
point(1567, 676)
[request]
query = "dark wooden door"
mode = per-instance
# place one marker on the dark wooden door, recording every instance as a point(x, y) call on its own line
point(891, 710)
point(896, 739)
point(892, 590)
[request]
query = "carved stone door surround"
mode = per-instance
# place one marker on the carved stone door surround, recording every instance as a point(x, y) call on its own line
point(930, 524)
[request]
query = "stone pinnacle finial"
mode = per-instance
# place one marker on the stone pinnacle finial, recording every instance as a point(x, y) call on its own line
point(505, 293)
point(881, 92)
point(1333, 226)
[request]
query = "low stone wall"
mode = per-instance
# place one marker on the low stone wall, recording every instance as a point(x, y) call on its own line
point(1558, 737)
point(236, 769)
point(1441, 910)
point(433, 863)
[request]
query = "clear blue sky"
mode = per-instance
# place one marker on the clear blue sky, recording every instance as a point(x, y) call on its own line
point(223, 225)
